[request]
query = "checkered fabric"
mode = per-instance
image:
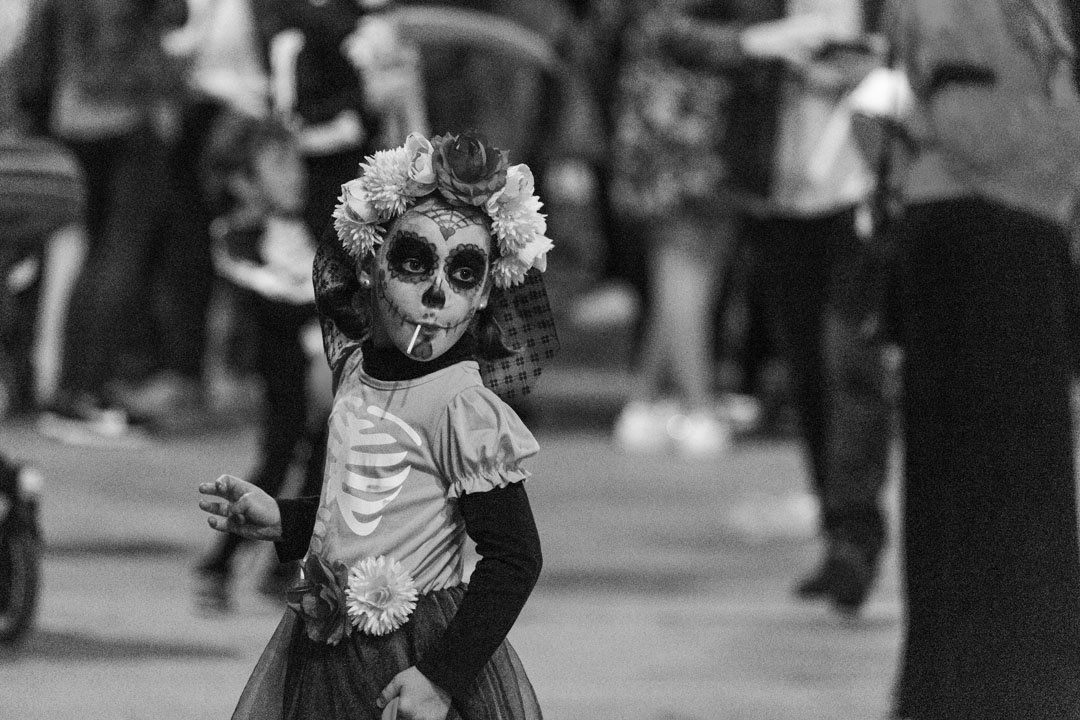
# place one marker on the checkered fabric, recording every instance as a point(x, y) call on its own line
point(524, 314)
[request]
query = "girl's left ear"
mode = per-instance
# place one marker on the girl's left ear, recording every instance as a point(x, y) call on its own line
point(366, 271)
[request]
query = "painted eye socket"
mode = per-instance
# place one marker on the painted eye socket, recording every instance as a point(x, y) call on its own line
point(465, 266)
point(410, 255)
point(413, 266)
point(464, 276)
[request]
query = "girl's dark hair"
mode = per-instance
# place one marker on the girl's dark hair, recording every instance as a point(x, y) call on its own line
point(490, 343)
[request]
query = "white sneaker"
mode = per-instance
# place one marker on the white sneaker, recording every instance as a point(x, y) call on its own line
point(744, 412)
point(642, 427)
point(612, 305)
point(700, 434)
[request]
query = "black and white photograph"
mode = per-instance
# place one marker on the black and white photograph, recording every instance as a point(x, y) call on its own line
point(539, 359)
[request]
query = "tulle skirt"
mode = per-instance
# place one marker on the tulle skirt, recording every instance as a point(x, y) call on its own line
point(299, 679)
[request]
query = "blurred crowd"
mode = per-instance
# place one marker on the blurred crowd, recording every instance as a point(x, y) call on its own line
point(116, 117)
point(740, 185)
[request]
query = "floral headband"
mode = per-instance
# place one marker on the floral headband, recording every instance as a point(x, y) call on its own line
point(465, 171)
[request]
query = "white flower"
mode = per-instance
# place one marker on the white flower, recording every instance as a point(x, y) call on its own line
point(518, 224)
point(357, 236)
point(421, 174)
point(358, 203)
point(534, 254)
point(508, 271)
point(380, 596)
point(515, 211)
point(519, 184)
point(383, 178)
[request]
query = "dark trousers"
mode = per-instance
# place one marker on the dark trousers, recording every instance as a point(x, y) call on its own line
point(125, 180)
point(325, 176)
point(991, 560)
point(806, 269)
point(183, 273)
point(287, 430)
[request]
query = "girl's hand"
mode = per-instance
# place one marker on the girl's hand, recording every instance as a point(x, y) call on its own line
point(247, 511)
point(420, 699)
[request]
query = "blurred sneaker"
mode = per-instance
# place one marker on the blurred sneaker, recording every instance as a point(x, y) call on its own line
point(700, 434)
point(611, 305)
point(642, 427)
point(167, 399)
point(87, 421)
point(744, 412)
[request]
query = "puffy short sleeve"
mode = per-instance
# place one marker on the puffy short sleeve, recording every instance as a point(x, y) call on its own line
point(482, 443)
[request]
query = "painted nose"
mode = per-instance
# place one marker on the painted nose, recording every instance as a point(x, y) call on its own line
point(434, 296)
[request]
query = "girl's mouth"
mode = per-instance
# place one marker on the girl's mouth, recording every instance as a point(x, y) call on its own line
point(420, 343)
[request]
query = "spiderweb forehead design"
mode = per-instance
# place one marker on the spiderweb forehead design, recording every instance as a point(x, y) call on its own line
point(450, 219)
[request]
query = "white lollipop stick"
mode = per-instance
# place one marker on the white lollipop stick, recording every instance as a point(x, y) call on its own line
point(416, 334)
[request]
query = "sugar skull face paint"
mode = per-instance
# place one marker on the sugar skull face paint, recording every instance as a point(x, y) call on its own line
point(430, 278)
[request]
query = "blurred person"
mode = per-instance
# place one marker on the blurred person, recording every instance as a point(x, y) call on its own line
point(98, 79)
point(340, 72)
point(264, 248)
point(223, 69)
point(991, 555)
point(344, 85)
point(42, 206)
point(593, 49)
point(433, 240)
point(688, 142)
point(492, 80)
point(813, 236)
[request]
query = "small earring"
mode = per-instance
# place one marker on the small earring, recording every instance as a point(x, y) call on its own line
point(365, 282)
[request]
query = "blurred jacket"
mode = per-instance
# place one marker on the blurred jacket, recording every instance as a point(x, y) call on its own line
point(997, 114)
point(817, 165)
point(101, 58)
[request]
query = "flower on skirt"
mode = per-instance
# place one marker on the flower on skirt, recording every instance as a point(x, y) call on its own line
point(319, 600)
point(380, 595)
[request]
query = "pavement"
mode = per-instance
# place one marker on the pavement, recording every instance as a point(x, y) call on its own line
point(665, 595)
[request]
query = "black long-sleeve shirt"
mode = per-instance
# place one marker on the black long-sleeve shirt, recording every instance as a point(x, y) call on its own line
point(499, 521)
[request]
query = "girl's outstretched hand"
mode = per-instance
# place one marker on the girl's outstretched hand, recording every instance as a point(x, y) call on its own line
point(247, 510)
point(419, 698)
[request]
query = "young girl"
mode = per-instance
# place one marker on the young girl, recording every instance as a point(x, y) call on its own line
point(433, 272)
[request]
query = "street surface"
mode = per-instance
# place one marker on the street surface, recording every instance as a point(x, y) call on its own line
point(666, 591)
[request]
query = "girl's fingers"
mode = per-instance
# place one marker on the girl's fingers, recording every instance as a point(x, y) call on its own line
point(209, 488)
point(214, 507)
point(219, 487)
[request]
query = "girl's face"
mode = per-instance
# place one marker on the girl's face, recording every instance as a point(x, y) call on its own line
point(278, 171)
point(430, 279)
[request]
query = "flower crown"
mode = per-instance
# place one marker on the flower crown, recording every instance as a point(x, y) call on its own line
point(465, 171)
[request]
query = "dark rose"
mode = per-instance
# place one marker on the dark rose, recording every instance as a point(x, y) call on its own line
point(467, 169)
point(319, 599)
